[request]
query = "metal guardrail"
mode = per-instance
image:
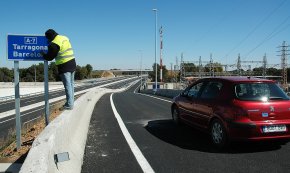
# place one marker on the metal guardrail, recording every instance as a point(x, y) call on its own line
point(32, 94)
point(6, 98)
point(24, 95)
point(169, 93)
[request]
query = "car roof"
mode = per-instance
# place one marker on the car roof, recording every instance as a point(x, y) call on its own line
point(238, 79)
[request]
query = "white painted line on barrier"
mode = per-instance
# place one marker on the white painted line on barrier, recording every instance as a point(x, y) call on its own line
point(155, 97)
point(145, 166)
point(7, 121)
point(150, 95)
point(31, 120)
point(137, 88)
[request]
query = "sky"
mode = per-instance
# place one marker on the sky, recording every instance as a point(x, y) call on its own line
point(121, 33)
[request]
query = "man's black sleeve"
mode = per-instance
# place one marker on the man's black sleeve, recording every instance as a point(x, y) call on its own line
point(52, 52)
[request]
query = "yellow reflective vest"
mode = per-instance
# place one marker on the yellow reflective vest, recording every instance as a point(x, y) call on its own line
point(65, 53)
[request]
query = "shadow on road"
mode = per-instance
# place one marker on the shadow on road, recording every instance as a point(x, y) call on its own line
point(191, 139)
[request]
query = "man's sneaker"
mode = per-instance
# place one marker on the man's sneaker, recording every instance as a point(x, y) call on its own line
point(65, 108)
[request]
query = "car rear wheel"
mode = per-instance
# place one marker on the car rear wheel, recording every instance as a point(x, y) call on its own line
point(175, 115)
point(218, 134)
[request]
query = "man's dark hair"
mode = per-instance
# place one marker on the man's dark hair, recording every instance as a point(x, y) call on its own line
point(50, 34)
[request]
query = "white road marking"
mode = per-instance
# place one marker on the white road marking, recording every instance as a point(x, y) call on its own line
point(30, 101)
point(145, 166)
point(1, 122)
point(10, 101)
point(22, 115)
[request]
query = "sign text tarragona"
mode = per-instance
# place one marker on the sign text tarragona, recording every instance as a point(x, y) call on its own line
point(32, 54)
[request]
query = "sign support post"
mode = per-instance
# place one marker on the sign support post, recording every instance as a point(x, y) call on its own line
point(17, 104)
point(46, 93)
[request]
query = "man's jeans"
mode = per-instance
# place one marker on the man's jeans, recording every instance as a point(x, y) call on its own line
point(68, 82)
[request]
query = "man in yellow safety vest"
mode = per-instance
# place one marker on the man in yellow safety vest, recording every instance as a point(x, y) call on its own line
point(60, 49)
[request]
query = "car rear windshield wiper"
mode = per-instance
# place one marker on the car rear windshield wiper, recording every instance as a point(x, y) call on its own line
point(276, 98)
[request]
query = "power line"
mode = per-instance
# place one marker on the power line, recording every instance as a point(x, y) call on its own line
point(255, 28)
point(214, 26)
point(271, 35)
point(284, 53)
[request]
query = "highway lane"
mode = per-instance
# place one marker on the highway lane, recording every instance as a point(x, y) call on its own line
point(25, 101)
point(165, 146)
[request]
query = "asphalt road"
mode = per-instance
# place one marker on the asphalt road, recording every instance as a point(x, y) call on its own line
point(165, 146)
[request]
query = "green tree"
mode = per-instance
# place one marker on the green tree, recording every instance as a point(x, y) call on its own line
point(164, 73)
point(288, 75)
point(31, 72)
point(217, 67)
point(258, 71)
point(28, 74)
point(274, 72)
point(53, 72)
point(84, 71)
point(22, 74)
point(190, 67)
point(81, 73)
point(89, 70)
point(40, 72)
point(6, 75)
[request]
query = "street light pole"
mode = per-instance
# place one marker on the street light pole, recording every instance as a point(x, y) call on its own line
point(35, 74)
point(155, 10)
point(141, 69)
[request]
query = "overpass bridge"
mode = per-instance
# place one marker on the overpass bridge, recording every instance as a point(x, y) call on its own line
point(131, 71)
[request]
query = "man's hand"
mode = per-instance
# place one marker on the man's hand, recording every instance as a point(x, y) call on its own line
point(42, 53)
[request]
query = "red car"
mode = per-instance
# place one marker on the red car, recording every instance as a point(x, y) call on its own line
point(234, 108)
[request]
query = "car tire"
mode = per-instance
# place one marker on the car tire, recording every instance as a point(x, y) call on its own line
point(176, 115)
point(218, 134)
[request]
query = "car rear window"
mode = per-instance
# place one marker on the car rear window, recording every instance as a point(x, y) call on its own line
point(259, 92)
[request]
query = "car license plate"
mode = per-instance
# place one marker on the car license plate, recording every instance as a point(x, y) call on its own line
point(274, 128)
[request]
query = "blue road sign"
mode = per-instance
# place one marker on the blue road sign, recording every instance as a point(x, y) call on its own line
point(26, 47)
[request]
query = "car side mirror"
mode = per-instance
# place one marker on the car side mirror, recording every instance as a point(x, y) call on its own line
point(184, 94)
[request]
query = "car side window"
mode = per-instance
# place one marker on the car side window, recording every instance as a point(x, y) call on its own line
point(211, 90)
point(194, 90)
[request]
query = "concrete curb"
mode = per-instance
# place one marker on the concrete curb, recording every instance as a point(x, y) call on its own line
point(67, 133)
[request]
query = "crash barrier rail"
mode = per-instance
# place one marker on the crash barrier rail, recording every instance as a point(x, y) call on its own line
point(11, 97)
point(60, 146)
point(162, 92)
point(26, 95)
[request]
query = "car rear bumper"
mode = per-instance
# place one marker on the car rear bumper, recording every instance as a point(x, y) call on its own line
point(252, 131)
